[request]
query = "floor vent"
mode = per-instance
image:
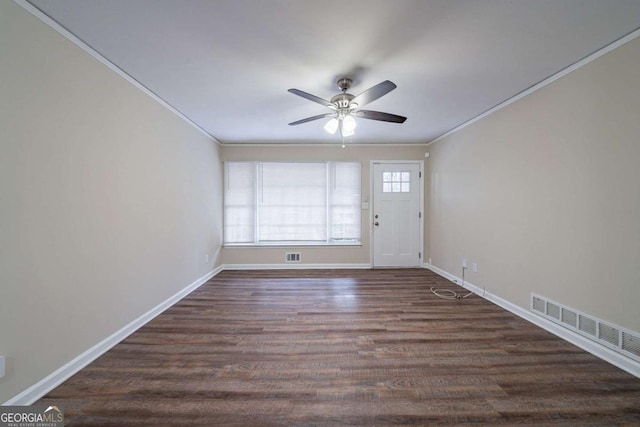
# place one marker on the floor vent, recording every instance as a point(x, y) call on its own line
point(622, 340)
point(292, 257)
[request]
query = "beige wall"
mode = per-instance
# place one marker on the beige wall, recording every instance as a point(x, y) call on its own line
point(318, 255)
point(108, 201)
point(545, 194)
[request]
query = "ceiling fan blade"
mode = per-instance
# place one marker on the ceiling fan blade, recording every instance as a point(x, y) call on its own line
point(310, 119)
point(374, 93)
point(311, 97)
point(377, 115)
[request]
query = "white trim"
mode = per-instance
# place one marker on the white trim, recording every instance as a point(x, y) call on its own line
point(292, 245)
point(42, 387)
point(571, 68)
point(421, 206)
point(258, 181)
point(621, 330)
point(296, 266)
point(113, 67)
point(91, 51)
point(337, 144)
point(608, 355)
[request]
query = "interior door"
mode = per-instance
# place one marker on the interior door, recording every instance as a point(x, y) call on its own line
point(396, 215)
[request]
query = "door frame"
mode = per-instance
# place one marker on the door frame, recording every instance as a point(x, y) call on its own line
point(372, 201)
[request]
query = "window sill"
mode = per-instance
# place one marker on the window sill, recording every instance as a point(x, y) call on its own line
point(292, 244)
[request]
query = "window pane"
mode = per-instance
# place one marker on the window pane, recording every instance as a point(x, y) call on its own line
point(386, 187)
point(386, 176)
point(396, 176)
point(396, 187)
point(239, 201)
point(405, 187)
point(405, 177)
point(344, 205)
point(280, 202)
point(292, 202)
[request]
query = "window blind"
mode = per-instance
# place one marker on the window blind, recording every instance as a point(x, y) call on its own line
point(280, 202)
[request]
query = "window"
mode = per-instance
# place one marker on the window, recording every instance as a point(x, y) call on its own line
point(396, 182)
point(316, 203)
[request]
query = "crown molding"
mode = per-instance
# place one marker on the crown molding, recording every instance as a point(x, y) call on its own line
point(97, 55)
point(571, 68)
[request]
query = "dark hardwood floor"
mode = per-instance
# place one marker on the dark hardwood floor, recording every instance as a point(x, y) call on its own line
point(346, 347)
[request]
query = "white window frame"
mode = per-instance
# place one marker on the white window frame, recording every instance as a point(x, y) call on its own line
point(328, 182)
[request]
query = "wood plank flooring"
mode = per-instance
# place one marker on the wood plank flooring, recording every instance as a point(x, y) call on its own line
point(345, 347)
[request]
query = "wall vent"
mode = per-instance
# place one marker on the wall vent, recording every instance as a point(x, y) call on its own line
point(631, 343)
point(553, 310)
point(609, 334)
point(569, 317)
point(538, 304)
point(622, 340)
point(587, 325)
point(292, 257)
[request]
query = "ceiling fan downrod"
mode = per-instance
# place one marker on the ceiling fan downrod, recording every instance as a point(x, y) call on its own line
point(343, 100)
point(344, 84)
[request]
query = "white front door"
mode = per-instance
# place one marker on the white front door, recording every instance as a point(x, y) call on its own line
point(396, 214)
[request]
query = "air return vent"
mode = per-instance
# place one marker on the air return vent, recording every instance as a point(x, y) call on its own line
point(553, 310)
point(631, 343)
point(622, 340)
point(587, 325)
point(609, 334)
point(569, 317)
point(538, 304)
point(292, 257)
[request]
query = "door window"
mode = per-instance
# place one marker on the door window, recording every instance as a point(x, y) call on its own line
point(396, 182)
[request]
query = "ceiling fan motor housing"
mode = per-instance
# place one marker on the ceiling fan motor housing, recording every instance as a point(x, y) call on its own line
point(342, 100)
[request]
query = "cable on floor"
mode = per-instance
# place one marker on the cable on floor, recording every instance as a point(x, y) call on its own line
point(444, 293)
point(448, 293)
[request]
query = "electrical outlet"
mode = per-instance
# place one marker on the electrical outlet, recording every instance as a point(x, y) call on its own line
point(465, 263)
point(474, 267)
point(1, 366)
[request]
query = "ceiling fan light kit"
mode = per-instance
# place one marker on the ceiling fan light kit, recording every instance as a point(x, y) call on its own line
point(331, 126)
point(345, 108)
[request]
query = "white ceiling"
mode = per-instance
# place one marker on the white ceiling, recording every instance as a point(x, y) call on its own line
point(227, 64)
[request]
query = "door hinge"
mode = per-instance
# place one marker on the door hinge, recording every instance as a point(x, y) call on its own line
point(419, 214)
point(419, 174)
point(419, 254)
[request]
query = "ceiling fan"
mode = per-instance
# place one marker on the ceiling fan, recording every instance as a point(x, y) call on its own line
point(345, 107)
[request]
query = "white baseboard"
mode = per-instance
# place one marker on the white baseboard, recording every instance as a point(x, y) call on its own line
point(294, 266)
point(625, 363)
point(42, 387)
point(51, 381)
